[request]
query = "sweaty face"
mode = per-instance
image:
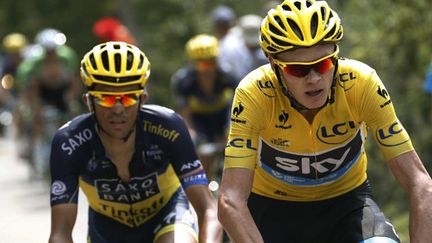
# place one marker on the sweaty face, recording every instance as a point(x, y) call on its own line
point(308, 84)
point(116, 121)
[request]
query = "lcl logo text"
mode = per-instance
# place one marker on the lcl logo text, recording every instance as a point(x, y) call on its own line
point(393, 129)
point(344, 77)
point(241, 143)
point(337, 129)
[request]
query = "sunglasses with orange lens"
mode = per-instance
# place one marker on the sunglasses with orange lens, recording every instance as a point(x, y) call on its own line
point(205, 65)
point(109, 99)
point(301, 69)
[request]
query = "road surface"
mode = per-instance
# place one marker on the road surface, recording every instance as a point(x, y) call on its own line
point(24, 203)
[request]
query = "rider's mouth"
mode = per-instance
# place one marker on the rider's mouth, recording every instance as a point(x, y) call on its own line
point(314, 93)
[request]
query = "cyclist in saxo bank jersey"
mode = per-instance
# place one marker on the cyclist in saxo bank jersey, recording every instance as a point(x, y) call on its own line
point(135, 163)
point(295, 162)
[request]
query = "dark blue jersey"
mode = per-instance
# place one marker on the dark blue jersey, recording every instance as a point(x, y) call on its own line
point(164, 160)
point(209, 112)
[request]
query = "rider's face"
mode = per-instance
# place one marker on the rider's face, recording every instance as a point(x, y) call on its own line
point(309, 85)
point(117, 121)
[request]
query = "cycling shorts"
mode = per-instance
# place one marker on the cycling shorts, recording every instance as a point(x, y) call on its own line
point(176, 215)
point(353, 217)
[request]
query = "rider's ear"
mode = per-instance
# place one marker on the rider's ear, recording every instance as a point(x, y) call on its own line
point(144, 97)
point(87, 101)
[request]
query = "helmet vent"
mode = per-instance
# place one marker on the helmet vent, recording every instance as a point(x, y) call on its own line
point(330, 33)
point(279, 42)
point(141, 62)
point(286, 8)
point(308, 3)
point(339, 35)
point(314, 24)
point(105, 62)
point(93, 61)
point(323, 13)
point(294, 27)
point(129, 60)
point(117, 46)
point(276, 30)
point(271, 49)
point(117, 62)
point(298, 5)
point(84, 70)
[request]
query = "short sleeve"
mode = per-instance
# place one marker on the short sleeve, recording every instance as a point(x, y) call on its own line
point(377, 111)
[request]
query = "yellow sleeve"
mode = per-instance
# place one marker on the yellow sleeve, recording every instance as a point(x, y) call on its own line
point(377, 111)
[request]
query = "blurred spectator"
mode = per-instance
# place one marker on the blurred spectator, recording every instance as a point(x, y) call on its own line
point(111, 29)
point(230, 43)
point(50, 94)
point(252, 55)
point(50, 70)
point(13, 46)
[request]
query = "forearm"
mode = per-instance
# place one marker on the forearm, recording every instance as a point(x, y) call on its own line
point(414, 178)
point(238, 222)
point(420, 214)
point(60, 238)
point(62, 223)
point(210, 229)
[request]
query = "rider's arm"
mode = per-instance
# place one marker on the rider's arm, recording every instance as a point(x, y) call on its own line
point(202, 200)
point(412, 175)
point(64, 187)
point(63, 218)
point(193, 179)
point(233, 212)
point(394, 142)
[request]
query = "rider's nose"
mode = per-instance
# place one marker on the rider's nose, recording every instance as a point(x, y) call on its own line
point(313, 76)
point(118, 107)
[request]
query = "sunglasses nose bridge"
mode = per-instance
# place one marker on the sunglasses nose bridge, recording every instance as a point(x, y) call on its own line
point(118, 107)
point(313, 76)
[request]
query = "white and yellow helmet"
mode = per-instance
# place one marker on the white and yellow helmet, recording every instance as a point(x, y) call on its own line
point(115, 63)
point(299, 23)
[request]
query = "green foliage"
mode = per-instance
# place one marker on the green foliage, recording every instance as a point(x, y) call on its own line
point(395, 38)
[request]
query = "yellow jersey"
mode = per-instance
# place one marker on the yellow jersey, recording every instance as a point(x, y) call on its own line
point(296, 160)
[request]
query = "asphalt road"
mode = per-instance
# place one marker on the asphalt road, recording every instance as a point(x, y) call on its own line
point(24, 203)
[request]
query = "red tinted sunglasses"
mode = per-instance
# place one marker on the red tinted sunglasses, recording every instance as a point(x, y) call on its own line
point(109, 99)
point(301, 69)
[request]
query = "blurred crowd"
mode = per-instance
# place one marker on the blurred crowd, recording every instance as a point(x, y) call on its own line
point(41, 88)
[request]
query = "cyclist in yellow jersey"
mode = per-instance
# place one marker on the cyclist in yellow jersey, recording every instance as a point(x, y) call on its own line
point(295, 162)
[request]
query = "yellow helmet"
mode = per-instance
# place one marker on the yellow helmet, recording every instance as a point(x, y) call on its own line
point(14, 42)
point(299, 23)
point(202, 47)
point(115, 64)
